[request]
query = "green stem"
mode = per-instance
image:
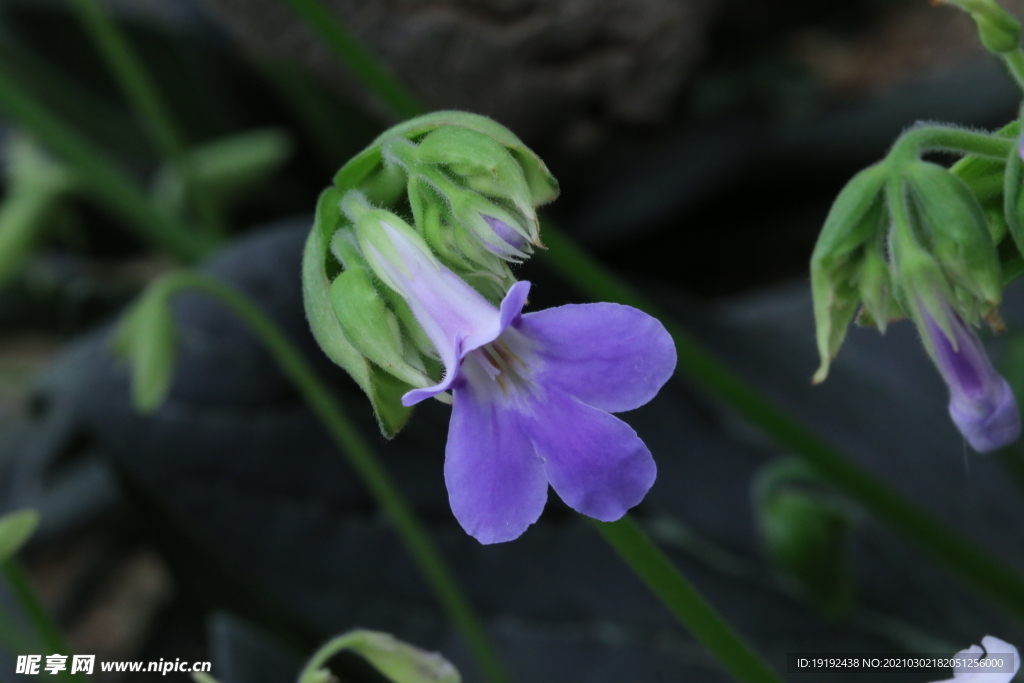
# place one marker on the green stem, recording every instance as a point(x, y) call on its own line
point(988, 576)
point(145, 99)
point(916, 141)
point(392, 92)
point(92, 169)
point(1014, 61)
point(672, 588)
point(36, 613)
point(362, 459)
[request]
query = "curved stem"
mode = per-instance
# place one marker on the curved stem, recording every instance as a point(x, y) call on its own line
point(920, 139)
point(145, 98)
point(360, 456)
point(988, 576)
point(679, 595)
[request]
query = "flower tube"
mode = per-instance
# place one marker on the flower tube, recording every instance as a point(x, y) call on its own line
point(981, 402)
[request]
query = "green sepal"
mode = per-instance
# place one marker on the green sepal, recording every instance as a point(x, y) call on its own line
point(16, 528)
point(875, 284)
point(364, 317)
point(147, 338)
point(378, 386)
point(806, 534)
point(856, 218)
point(957, 233)
point(365, 166)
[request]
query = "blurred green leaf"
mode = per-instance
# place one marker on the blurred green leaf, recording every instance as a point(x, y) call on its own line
point(226, 169)
point(35, 185)
point(147, 339)
point(15, 530)
point(396, 660)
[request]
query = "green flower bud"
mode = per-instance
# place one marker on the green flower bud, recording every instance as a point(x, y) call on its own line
point(472, 187)
point(365, 318)
point(998, 29)
point(488, 229)
point(482, 164)
point(805, 535)
point(319, 268)
point(921, 287)
point(855, 222)
point(952, 226)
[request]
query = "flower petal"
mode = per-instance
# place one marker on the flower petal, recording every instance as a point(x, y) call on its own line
point(609, 356)
point(594, 461)
point(990, 647)
point(511, 307)
point(496, 482)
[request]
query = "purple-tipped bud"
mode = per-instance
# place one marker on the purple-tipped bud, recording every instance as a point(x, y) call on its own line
point(981, 402)
point(506, 233)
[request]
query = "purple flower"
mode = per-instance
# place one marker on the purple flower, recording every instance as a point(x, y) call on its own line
point(532, 393)
point(981, 402)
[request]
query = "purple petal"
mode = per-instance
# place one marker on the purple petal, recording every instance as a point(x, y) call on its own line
point(507, 234)
point(496, 482)
point(594, 461)
point(511, 307)
point(609, 356)
point(981, 402)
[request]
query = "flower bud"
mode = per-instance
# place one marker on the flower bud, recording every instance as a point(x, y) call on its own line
point(953, 225)
point(481, 163)
point(856, 220)
point(470, 195)
point(805, 535)
point(319, 269)
point(998, 29)
point(365, 318)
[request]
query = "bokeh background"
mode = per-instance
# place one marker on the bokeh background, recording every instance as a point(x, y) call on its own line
point(699, 144)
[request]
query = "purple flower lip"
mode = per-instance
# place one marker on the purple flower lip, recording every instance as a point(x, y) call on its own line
point(532, 397)
point(981, 402)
